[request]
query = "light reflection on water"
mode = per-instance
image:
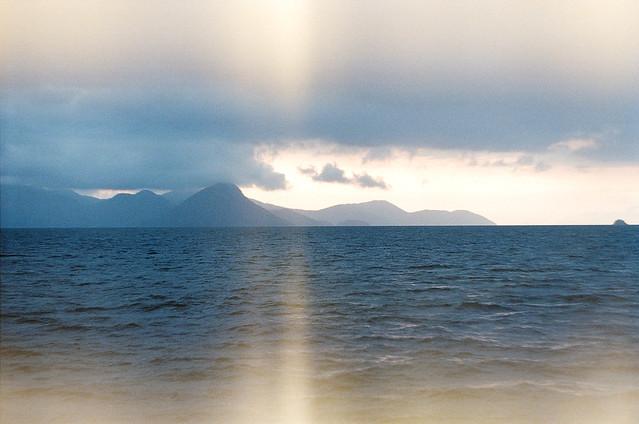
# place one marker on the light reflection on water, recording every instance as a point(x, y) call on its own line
point(494, 325)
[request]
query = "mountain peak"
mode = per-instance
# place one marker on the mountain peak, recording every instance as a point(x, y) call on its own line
point(382, 204)
point(222, 205)
point(223, 188)
point(140, 195)
point(145, 193)
point(120, 196)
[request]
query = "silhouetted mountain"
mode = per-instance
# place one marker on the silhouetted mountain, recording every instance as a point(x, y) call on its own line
point(291, 216)
point(436, 217)
point(381, 212)
point(178, 196)
point(25, 206)
point(143, 209)
point(619, 222)
point(222, 205)
point(376, 212)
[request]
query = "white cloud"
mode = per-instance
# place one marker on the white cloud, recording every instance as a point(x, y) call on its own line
point(575, 144)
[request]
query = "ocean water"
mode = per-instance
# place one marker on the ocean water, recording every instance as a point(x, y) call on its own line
point(320, 325)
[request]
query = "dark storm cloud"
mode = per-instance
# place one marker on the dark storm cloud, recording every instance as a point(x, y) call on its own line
point(109, 138)
point(91, 100)
point(486, 119)
point(172, 138)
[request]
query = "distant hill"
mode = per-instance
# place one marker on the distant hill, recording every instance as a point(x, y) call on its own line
point(376, 212)
point(291, 216)
point(23, 206)
point(220, 205)
point(176, 197)
point(436, 217)
point(143, 209)
point(381, 212)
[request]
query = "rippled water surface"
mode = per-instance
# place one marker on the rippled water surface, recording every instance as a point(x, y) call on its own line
point(487, 324)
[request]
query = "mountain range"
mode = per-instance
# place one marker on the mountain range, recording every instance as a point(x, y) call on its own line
point(220, 205)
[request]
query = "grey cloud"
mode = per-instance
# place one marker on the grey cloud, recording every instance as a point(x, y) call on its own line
point(168, 137)
point(378, 154)
point(331, 173)
point(524, 161)
point(367, 181)
point(531, 162)
point(110, 138)
point(500, 163)
point(193, 108)
point(350, 112)
point(542, 166)
point(310, 170)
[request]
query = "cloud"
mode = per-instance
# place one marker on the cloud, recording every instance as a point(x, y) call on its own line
point(367, 181)
point(575, 145)
point(89, 102)
point(331, 173)
point(310, 170)
point(91, 139)
point(542, 166)
point(378, 154)
point(524, 161)
point(529, 161)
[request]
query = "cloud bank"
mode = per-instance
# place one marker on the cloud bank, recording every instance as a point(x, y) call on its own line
point(120, 94)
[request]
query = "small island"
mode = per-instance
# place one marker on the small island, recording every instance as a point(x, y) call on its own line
point(619, 222)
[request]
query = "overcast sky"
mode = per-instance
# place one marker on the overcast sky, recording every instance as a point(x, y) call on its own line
point(525, 111)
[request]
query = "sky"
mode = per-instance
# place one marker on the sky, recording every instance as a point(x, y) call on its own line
point(524, 111)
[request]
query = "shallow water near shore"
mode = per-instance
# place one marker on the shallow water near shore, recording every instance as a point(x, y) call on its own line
point(321, 325)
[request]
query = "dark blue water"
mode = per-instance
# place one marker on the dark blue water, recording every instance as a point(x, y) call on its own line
point(439, 324)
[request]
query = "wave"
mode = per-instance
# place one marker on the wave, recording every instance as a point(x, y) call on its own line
point(169, 304)
point(430, 266)
point(479, 306)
